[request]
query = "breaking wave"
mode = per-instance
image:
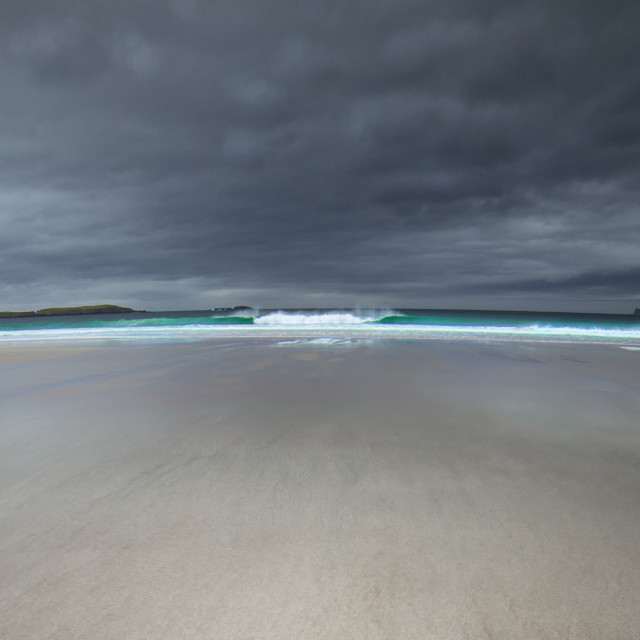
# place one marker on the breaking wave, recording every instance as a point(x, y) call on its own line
point(285, 319)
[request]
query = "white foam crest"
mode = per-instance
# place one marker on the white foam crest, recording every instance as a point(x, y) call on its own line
point(605, 332)
point(578, 333)
point(283, 319)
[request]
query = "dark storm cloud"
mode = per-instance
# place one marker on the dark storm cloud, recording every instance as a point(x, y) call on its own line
point(187, 153)
point(622, 281)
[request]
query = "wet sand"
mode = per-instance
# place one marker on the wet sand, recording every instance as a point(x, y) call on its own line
point(250, 489)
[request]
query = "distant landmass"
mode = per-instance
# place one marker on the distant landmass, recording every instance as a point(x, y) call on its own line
point(241, 307)
point(69, 311)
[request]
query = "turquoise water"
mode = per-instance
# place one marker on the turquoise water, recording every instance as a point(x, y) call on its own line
point(334, 323)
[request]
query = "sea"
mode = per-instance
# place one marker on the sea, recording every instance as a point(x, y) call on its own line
point(328, 326)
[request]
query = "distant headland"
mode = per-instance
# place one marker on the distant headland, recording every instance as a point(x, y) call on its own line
point(69, 311)
point(241, 307)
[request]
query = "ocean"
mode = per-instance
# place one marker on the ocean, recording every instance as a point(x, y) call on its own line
point(329, 325)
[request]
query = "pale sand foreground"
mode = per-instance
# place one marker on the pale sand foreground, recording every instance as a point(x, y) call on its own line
point(371, 490)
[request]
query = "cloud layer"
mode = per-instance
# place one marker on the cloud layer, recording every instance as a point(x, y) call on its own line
point(176, 154)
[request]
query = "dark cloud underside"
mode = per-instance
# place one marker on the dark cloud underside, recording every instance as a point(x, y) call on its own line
point(190, 153)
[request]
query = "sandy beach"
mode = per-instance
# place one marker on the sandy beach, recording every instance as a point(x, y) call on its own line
point(368, 490)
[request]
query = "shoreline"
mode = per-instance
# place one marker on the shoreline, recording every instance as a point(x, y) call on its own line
point(178, 335)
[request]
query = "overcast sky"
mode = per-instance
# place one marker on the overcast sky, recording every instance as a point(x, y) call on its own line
point(197, 153)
